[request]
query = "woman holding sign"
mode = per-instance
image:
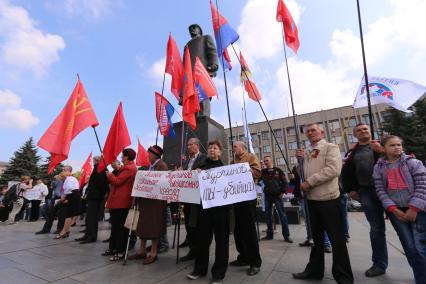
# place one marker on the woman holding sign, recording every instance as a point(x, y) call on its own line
point(215, 221)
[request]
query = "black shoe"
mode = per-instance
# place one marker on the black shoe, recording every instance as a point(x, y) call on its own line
point(253, 270)
point(106, 241)
point(327, 249)
point(266, 238)
point(288, 240)
point(184, 244)
point(374, 271)
point(188, 257)
point(306, 275)
point(42, 232)
point(194, 275)
point(307, 243)
point(238, 263)
point(87, 241)
point(83, 238)
point(163, 249)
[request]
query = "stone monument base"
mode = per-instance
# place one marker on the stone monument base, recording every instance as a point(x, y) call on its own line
point(207, 130)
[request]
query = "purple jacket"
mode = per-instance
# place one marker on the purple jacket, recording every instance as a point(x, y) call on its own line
point(414, 174)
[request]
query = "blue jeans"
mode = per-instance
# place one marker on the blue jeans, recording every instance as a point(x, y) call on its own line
point(373, 210)
point(413, 240)
point(279, 205)
point(306, 216)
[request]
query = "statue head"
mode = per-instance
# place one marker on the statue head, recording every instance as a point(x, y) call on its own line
point(195, 30)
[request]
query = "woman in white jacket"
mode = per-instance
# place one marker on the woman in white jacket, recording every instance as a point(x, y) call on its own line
point(40, 192)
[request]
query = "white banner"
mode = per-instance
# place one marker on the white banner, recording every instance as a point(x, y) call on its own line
point(32, 194)
point(177, 186)
point(399, 94)
point(226, 185)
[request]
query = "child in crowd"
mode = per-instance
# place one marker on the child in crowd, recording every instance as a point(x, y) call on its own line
point(400, 182)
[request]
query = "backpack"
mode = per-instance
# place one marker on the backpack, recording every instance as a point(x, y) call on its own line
point(11, 195)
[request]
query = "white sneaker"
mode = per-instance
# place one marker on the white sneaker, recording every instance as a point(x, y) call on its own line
point(217, 281)
point(193, 276)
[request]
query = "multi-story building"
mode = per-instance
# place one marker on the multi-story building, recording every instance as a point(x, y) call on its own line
point(338, 124)
point(3, 166)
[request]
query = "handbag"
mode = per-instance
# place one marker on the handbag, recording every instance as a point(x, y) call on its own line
point(132, 215)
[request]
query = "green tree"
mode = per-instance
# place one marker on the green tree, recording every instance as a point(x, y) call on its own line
point(43, 170)
point(24, 162)
point(411, 127)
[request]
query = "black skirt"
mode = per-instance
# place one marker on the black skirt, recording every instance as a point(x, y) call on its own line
point(73, 206)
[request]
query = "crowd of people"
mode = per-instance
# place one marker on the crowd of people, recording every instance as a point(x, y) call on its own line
point(379, 174)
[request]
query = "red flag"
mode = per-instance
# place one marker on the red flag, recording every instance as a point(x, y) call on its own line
point(203, 81)
point(142, 157)
point(117, 140)
point(247, 80)
point(291, 33)
point(86, 171)
point(76, 116)
point(174, 67)
point(190, 104)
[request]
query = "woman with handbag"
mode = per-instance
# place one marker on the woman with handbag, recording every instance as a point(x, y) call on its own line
point(119, 201)
point(18, 197)
point(152, 214)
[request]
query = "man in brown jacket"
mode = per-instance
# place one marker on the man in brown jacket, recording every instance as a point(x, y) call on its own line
point(245, 234)
point(321, 165)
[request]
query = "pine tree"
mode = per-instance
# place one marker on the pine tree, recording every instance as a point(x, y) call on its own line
point(24, 162)
point(411, 127)
point(43, 170)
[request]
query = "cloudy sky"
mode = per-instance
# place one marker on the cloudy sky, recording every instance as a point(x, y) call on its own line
point(118, 48)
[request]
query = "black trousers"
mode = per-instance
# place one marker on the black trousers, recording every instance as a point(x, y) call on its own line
point(245, 233)
point(52, 212)
point(119, 233)
point(213, 221)
point(92, 217)
point(327, 216)
point(35, 210)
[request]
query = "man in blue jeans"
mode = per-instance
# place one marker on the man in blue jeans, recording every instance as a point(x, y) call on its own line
point(357, 180)
point(275, 185)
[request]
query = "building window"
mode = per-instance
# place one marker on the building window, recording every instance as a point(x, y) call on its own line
point(265, 135)
point(256, 150)
point(278, 133)
point(231, 139)
point(302, 129)
point(291, 131)
point(366, 119)
point(352, 138)
point(293, 160)
point(253, 136)
point(280, 161)
point(334, 125)
point(337, 139)
point(267, 149)
point(277, 149)
point(292, 145)
point(306, 144)
point(352, 122)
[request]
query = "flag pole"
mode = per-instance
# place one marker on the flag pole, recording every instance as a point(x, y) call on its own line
point(367, 88)
point(161, 108)
point(100, 148)
point(296, 128)
point(224, 80)
point(264, 114)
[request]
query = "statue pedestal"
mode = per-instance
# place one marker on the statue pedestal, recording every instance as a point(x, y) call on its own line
point(207, 130)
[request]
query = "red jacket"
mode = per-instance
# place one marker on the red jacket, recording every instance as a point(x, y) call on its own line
point(122, 184)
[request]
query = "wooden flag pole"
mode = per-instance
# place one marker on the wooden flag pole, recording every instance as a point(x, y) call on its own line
point(367, 88)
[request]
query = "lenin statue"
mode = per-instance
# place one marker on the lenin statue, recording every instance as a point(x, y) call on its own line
point(204, 47)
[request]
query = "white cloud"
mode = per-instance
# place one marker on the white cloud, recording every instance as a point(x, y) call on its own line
point(93, 8)
point(12, 115)
point(25, 47)
point(156, 70)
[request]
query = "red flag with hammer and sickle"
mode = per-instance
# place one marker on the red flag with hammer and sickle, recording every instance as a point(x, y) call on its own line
point(76, 116)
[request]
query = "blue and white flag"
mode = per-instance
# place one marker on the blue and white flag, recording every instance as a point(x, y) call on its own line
point(397, 93)
point(247, 135)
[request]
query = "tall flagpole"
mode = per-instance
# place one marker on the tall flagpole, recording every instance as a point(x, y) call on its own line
point(296, 128)
point(367, 88)
point(224, 80)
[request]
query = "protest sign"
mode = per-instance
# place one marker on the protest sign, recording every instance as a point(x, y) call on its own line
point(177, 186)
point(226, 185)
point(32, 194)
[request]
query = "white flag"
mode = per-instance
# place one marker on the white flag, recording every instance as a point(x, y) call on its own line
point(247, 135)
point(399, 94)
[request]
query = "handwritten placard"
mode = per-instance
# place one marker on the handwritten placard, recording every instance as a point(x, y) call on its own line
point(177, 186)
point(226, 185)
point(32, 194)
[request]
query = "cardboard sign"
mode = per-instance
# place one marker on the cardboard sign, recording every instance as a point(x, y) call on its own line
point(226, 185)
point(177, 186)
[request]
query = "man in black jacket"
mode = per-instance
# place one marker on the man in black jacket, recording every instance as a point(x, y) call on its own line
point(357, 180)
point(195, 160)
point(275, 184)
point(95, 197)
